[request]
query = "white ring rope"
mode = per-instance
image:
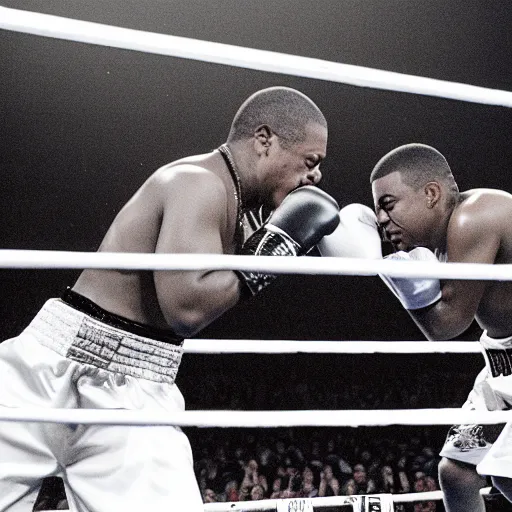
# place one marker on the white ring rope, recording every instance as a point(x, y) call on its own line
point(12, 258)
point(224, 346)
point(257, 419)
point(321, 502)
point(274, 62)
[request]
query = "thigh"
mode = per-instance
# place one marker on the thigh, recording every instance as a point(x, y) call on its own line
point(132, 468)
point(27, 450)
point(25, 458)
point(498, 462)
point(128, 468)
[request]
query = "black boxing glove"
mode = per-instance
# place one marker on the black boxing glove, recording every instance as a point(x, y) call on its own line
point(305, 216)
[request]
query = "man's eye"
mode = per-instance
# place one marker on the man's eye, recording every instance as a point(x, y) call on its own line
point(387, 206)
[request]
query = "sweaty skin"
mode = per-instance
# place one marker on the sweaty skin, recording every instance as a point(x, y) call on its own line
point(478, 229)
point(189, 206)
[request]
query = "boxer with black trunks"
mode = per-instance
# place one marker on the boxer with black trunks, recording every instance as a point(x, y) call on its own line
point(427, 218)
point(115, 339)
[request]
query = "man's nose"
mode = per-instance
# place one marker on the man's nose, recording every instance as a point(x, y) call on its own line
point(314, 176)
point(382, 217)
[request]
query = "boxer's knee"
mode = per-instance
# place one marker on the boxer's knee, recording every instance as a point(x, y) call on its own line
point(455, 475)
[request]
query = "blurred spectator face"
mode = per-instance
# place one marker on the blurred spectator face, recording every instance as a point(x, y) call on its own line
point(276, 486)
point(327, 472)
point(387, 471)
point(359, 474)
point(350, 488)
point(307, 475)
point(253, 465)
point(257, 493)
point(209, 496)
point(281, 471)
point(280, 448)
point(231, 490)
point(419, 475)
point(330, 445)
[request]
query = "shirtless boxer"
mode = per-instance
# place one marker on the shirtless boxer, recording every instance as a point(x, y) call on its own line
point(426, 217)
point(114, 341)
point(421, 210)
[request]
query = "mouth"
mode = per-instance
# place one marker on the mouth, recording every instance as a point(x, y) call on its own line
point(394, 237)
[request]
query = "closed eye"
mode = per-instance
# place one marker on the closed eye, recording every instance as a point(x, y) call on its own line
point(387, 205)
point(311, 163)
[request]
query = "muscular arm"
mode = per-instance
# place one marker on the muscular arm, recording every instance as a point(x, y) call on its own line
point(473, 237)
point(194, 221)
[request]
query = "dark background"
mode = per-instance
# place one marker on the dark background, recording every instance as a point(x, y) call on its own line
point(82, 126)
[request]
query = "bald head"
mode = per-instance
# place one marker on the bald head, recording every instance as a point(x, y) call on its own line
point(284, 110)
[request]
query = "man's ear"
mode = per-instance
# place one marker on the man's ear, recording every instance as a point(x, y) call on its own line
point(263, 136)
point(432, 193)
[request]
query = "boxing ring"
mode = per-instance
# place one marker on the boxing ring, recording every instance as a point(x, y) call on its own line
point(94, 33)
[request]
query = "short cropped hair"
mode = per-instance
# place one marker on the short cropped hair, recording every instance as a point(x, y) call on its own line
point(418, 164)
point(286, 111)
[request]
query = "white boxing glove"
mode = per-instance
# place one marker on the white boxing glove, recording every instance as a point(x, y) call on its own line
point(357, 235)
point(414, 293)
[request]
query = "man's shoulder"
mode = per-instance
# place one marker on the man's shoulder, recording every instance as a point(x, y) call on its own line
point(483, 197)
point(188, 172)
point(482, 207)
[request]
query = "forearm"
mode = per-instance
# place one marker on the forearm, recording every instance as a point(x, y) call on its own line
point(440, 321)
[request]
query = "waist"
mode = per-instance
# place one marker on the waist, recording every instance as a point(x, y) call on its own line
point(498, 354)
point(87, 306)
point(81, 337)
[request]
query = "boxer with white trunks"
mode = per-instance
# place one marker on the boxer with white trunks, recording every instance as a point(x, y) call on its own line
point(115, 339)
point(426, 217)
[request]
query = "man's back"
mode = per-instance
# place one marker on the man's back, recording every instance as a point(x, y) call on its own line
point(490, 211)
point(139, 227)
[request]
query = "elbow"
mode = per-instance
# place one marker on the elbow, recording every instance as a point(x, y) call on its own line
point(185, 321)
point(188, 317)
point(447, 330)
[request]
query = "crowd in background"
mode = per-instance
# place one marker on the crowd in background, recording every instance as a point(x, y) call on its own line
point(238, 465)
point(289, 463)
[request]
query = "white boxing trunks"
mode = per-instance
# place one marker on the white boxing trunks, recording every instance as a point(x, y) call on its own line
point(489, 447)
point(68, 359)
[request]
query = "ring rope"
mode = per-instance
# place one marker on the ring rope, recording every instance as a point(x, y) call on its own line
point(274, 62)
point(257, 419)
point(13, 258)
point(225, 346)
point(321, 502)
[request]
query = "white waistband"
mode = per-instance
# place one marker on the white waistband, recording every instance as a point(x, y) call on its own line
point(75, 335)
point(495, 343)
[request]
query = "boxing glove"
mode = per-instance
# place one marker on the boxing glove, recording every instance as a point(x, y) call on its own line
point(414, 293)
point(305, 216)
point(357, 235)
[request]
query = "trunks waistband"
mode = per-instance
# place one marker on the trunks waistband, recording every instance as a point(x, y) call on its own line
point(499, 361)
point(87, 306)
point(497, 354)
point(86, 339)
